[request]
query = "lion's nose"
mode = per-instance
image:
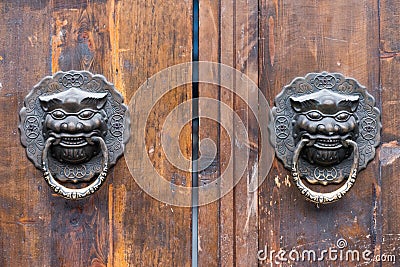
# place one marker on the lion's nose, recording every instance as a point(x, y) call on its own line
point(328, 128)
point(71, 127)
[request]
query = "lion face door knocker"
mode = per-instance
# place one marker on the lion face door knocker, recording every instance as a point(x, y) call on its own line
point(326, 130)
point(74, 126)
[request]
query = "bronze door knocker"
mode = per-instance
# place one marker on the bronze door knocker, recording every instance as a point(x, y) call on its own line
point(326, 128)
point(74, 126)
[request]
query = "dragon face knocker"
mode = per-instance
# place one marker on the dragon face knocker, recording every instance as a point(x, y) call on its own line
point(326, 130)
point(74, 126)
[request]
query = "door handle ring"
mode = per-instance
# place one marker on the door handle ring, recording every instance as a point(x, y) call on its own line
point(324, 198)
point(71, 193)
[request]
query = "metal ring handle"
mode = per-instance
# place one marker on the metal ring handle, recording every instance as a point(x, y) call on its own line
point(70, 193)
point(324, 198)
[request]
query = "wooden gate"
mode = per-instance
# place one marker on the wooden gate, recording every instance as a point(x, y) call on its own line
point(128, 41)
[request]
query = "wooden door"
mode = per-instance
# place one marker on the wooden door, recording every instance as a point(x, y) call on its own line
point(128, 41)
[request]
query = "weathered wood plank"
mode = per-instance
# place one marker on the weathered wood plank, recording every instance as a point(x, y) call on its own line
point(128, 41)
point(298, 37)
point(209, 45)
point(389, 153)
point(228, 228)
point(150, 36)
point(25, 210)
point(120, 225)
point(246, 201)
point(81, 40)
point(389, 160)
point(227, 233)
point(389, 54)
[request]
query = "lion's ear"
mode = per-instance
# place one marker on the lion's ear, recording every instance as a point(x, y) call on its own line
point(99, 102)
point(351, 103)
point(47, 102)
point(301, 105)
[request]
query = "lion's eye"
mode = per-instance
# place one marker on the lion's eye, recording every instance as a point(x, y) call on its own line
point(86, 114)
point(58, 114)
point(314, 115)
point(342, 116)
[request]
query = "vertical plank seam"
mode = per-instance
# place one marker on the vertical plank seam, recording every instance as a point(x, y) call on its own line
point(219, 58)
point(260, 68)
point(195, 132)
point(233, 127)
point(379, 228)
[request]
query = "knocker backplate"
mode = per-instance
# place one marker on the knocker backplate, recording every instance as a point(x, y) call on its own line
point(32, 115)
point(352, 101)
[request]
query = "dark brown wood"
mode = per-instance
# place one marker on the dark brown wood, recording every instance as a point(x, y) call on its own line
point(228, 228)
point(270, 41)
point(297, 38)
point(79, 235)
point(389, 153)
point(245, 201)
point(148, 37)
point(120, 225)
point(25, 214)
point(209, 215)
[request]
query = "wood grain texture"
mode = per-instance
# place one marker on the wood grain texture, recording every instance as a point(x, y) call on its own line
point(24, 215)
point(80, 40)
point(246, 202)
point(298, 37)
point(389, 153)
point(149, 37)
point(128, 41)
point(390, 64)
point(228, 228)
point(120, 225)
point(389, 160)
point(209, 45)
